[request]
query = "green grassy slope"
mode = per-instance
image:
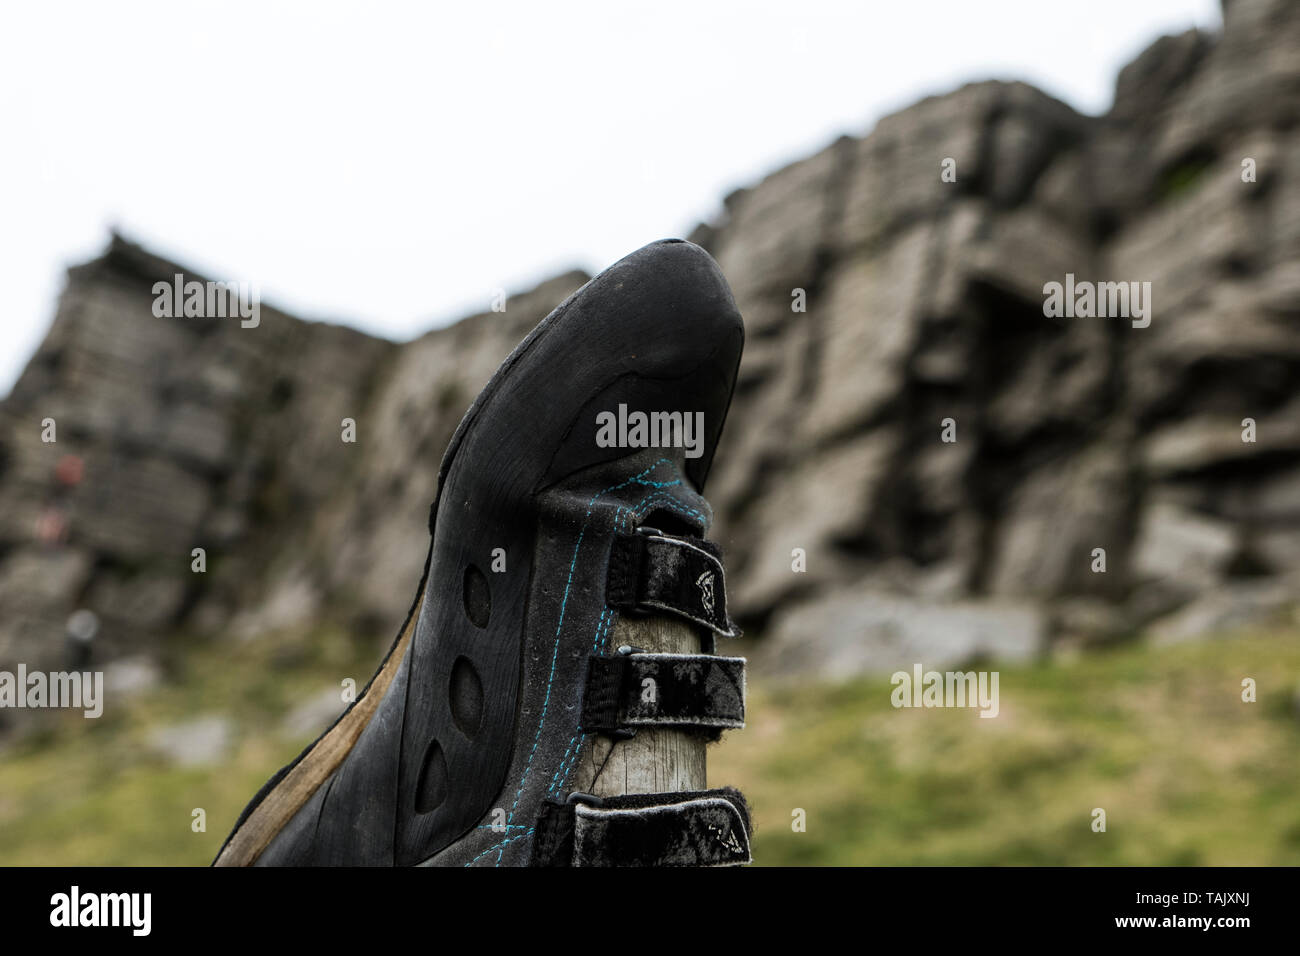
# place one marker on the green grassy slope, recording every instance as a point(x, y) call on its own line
point(1159, 738)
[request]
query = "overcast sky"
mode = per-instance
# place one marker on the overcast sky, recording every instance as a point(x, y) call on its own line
point(390, 165)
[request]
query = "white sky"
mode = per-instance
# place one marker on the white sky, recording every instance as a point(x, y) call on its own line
point(390, 165)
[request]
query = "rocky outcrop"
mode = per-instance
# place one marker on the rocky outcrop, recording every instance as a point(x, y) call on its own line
point(925, 303)
point(893, 287)
point(167, 435)
point(201, 433)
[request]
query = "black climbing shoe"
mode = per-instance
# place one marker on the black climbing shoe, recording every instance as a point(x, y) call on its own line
point(579, 467)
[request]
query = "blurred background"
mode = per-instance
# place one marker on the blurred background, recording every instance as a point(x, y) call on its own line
point(888, 191)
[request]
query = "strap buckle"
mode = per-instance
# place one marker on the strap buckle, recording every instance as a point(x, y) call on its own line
point(653, 572)
point(625, 733)
point(686, 828)
point(697, 693)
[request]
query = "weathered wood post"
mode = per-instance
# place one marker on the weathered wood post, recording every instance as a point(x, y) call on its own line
point(655, 760)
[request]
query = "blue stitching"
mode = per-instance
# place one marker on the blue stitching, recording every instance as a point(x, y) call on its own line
point(560, 624)
point(602, 630)
point(636, 479)
point(564, 758)
point(624, 513)
point(502, 846)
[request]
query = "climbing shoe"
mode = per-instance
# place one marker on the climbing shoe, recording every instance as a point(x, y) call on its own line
point(568, 509)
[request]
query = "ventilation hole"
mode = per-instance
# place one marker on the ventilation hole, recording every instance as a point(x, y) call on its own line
point(478, 603)
point(466, 693)
point(433, 779)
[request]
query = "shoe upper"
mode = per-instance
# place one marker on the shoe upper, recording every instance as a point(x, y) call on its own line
point(602, 422)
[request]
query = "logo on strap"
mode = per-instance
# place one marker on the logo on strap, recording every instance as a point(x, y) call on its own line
point(727, 838)
point(705, 583)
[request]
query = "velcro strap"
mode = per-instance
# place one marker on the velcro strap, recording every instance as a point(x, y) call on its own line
point(690, 828)
point(687, 691)
point(652, 571)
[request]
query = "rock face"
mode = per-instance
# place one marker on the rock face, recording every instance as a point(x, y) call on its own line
point(925, 302)
point(169, 435)
point(893, 287)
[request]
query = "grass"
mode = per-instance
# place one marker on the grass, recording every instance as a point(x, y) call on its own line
point(1159, 738)
point(93, 792)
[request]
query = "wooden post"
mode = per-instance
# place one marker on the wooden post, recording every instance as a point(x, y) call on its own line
point(655, 760)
